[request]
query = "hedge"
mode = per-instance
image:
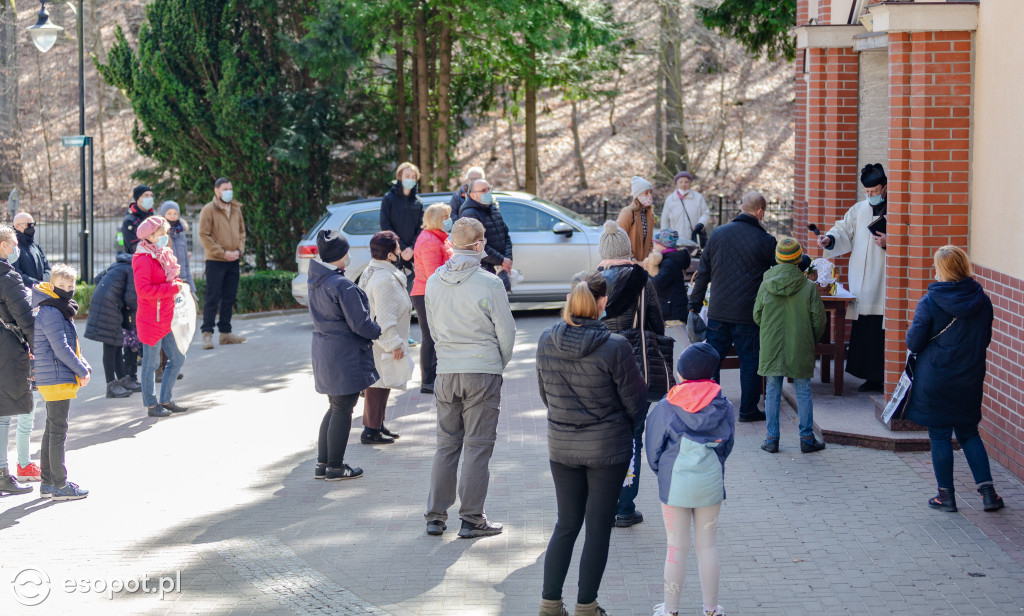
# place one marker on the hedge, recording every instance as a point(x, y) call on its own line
point(259, 291)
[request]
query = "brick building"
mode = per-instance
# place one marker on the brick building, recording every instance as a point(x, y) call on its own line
point(931, 90)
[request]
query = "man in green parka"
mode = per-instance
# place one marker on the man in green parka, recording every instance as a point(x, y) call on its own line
point(791, 316)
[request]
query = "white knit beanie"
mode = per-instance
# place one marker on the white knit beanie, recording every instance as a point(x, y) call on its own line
point(614, 243)
point(637, 185)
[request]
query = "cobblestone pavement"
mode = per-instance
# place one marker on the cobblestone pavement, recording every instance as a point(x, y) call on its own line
point(219, 508)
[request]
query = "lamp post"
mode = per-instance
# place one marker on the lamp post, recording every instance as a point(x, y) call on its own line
point(44, 34)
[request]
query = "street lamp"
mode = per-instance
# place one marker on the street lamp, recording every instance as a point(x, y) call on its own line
point(44, 35)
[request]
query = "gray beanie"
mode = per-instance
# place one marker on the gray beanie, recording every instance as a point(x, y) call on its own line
point(615, 242)
point(637, 185)
point(169, 205)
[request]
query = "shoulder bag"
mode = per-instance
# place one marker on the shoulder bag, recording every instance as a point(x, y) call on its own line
point(897, 406)
point(650, 349)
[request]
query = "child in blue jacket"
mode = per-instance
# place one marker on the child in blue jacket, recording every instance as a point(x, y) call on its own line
point(689, 436)
point(60, 370)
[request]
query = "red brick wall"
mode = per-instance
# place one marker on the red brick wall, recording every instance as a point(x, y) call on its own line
point(1002, 422)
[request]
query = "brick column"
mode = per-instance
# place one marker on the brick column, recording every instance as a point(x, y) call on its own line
point(929, 150)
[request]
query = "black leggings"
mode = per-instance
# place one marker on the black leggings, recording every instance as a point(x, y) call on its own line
point(131, 363)
point(113, 362)
point(583, 494)
point(334, 430)
point(428, 358)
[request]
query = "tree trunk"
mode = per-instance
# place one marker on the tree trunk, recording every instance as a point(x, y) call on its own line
point(659, 90)
point(10, 138)
point(576, 146)
point(403, 138)
point(531, 125)
point(512, 144)
point(676, 158)
point(444, 102)
point(423, 96)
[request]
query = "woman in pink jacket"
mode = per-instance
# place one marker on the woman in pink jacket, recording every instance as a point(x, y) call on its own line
point(431, 251)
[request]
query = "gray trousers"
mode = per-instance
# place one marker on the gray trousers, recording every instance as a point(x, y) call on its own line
point(467, 416)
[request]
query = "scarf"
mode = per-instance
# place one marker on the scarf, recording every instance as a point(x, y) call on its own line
point(59, 299)
point(165, 256)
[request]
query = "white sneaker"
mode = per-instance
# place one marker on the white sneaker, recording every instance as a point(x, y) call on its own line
point(659, 610)
point(718, 611)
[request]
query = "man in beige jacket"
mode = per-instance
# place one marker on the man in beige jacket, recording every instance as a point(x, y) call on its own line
point(222, 231)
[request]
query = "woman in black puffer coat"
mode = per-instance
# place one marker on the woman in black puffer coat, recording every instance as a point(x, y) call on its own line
point(111, 311)
point(594, 392)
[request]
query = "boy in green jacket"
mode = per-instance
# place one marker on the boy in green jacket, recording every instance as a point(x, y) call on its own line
point(791, 316)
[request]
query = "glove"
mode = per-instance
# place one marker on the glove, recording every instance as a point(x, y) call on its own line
point(699, 227)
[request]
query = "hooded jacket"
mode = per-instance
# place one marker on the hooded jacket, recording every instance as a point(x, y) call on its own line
point(499, 242)
point(470, 319)
point(15, 366)
point(689, 435)
point(32, 264)
point(343, 333)
point(130, 224)
point(58, 359)
point(671, 284)
point(594, 392)
point(625, 282)
point(791, 315)
point(402, 214)
point(950, 373)
point(113, 303)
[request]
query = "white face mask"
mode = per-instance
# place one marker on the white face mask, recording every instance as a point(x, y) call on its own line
point(147, 203)
point(645, 200)
point(227, 196)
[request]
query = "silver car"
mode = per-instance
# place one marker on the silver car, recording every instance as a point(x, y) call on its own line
point(549, 242)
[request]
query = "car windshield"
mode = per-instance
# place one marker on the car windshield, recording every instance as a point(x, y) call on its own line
point(312, 230)
point(566, 212)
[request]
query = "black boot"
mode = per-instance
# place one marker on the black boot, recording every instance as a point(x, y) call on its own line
point(10, 485)
point(116, 390)
point(991, 500)
point(945, 500)
point(374, 437)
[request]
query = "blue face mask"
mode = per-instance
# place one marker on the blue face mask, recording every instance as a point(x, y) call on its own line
point(447, 225)
point(162, 241)
point(876, 200)
point(604, 313)
point(14, 256)
point(147, 203)
point(487, 198)
point(408, 184)
point(227, 195)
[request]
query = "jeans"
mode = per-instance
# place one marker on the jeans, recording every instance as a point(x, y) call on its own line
point(24, 431)
point(588, 495)
point(150, 361)
point(51, 458)
point(221, 291)
point(747, 340)
point(334, 430)
point(972, 446)
point(804, 406)
point(113, 362)
point(627, 495)
point(467, 415)
point(428, 358)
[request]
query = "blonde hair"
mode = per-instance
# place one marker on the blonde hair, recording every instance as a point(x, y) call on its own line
point(466, 232)
point(952, 263)
point(63, 271)
point(403, 167)
point(435, 215)
point(587, 289)
point(7, 234)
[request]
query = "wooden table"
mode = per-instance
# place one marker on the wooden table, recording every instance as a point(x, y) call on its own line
point(831, 349)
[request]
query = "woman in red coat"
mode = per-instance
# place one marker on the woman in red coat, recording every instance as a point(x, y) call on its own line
point(156, 284)
point(431, 251)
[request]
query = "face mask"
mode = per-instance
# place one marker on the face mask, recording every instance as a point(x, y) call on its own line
point(604, 313)
point(227, 196)
point(487, 198)
point(162, 241)
point(447, 225)
point(408, 184)
point(645, 200)
point(61, 293)
point(876, 200)
point(29, 231)
point(14, 256)
point(147, 203)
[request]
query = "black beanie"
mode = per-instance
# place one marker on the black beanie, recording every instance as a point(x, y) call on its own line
point(331, 245)
point(698, 362)
point(872, 175)
point(141, 188)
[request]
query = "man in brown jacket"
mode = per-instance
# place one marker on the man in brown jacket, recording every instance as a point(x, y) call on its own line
point(222, 231)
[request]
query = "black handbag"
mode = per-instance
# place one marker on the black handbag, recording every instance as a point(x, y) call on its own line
point(650, 350)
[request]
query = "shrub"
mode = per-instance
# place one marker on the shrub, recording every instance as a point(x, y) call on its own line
point(83, 295)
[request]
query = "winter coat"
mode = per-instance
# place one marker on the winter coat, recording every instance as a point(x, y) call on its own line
point(458, 197)
point(683, 215)
point(431, 251)
point(470, 319)
point(220, 232)
point(179, 244)
point(499, 242)
point(15, 366)
point(670, 282)
point(625, 281)
point(630, 219)
point(390, 308)
point(791, 315)
point(594, 393)
point(950, 373)
point(343, 333)
point(402, 214)
point(57, 355)
point(32, 264)
point(682, 431)
point(867, 259)
point(155, 298)
point(113, 303)
point(135, 215)
point(734, 262)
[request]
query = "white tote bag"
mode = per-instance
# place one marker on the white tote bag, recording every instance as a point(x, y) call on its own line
point(395, 373)
point(183, 323)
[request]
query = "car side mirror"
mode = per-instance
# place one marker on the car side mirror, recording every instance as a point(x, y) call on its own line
point(562, 228)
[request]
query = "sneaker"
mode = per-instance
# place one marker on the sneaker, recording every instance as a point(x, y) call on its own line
point(771, 445)
point(344, 472)
point(207, 340)
point(625, 521)
point(483, 529)
point(436, 527)
point(158, 411)
point(10, 485)
point(412, 342)
point(116, 390)
point(389, 433)
point(319, 471)
point(718, 611)
point(29, 472)
point(229, 338)
point(69, 491)
point(374, 437)
point(131, 384)
point(174, 408)
point(755, 416)
point(811, 446)
point(45, 490)
point(659, 610)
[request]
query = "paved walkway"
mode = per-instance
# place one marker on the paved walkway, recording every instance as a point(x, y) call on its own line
point(223, 500)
